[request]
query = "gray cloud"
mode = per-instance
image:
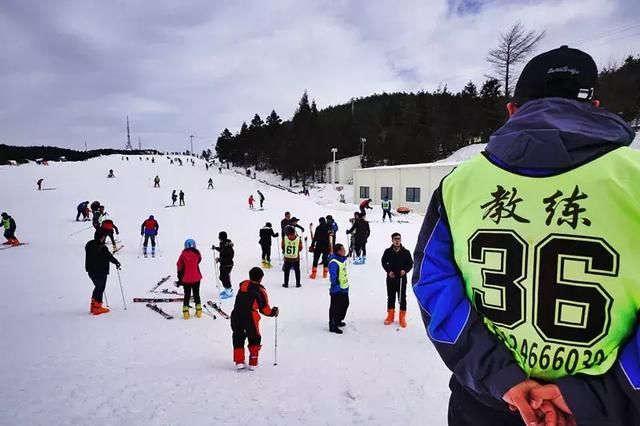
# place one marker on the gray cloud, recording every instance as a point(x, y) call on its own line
point(72, 70)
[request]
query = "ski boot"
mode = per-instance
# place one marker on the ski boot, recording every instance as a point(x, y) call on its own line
point(226, 293)
point(198, 310)
point(97, 308)
point(403, 319)
point(358, 261)
point(390, 315)
point(185, 312)
point(325, 272)
point(115, 248)
point(144, 251)
point(238, 358)
point(153, 252)
point(14, 242)
point(364, 259)
point(334, 328)
point(267, 264)
point(314, 271)
point(253, 356)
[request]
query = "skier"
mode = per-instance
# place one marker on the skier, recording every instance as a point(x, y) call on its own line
point(181, 194)
point(320, 245)
point(111, 174)
point(541, 221)
point(251, 301)
point(189, 277)
point(386, 209)
point(294, 224)
point(339, 290)
point(97, 259)
point(334, 229)
point(352, 221)
point(82, 210)
point(364, 205)
point(149, 229)
point(9, 226)
point(291, 247)
point(40, 184)
point(156, 182)
point(397, 262)
point(174, 198)
point(362, 231)
point(251, 200)
point(109, 227)
point(210, 186)
point(285, 222)
point(220, 169)
point(225, 260)
point(266, 233)
point(261, 199)
point(95, 220)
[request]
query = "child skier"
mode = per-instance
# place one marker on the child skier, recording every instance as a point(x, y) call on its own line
point(225, 260)
point(9, 230)
point(266, 233)
point(251, 200)
point(149, 229)
point(189, 277)
point(291, 247)
point(251, 301)
point(108, 227)
point(339, 290)
point(334, 229)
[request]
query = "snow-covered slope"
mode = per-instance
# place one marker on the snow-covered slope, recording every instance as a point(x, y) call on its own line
point(62, 366)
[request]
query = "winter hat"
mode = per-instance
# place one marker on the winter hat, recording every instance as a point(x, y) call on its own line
point(322, 220)
point(256, 274)
point(4, 215)
point(190, 243)
point(151, 216)
point(268, 225)
point(563, 72)
point(222, 235)
point(290, 230)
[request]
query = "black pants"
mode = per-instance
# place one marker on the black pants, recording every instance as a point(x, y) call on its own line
point(156, 184)
point(266, 251)
point(288, 266)
point(99, 283)
point(395, 285)
point(147, 238)
point(467, 410)
point(188, 288)
point(261, 201)
point(386, 213)
point(338, 308)
point(80, 213)
point(360, 247)
point(225, 276)
point(182, 201)
point(210, 186)
point(317, 252)
point(110, 235)
point(8, 234)
point(245, 327)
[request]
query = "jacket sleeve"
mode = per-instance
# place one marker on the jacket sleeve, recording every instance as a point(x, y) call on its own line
point(478, 359)
point(180, 267)
point(385, 261)
point(353, 227)
point(142, 228)
point(408, 261)
point(612, 398)
point(333, 275)
point(263, 302)
point(108, 256)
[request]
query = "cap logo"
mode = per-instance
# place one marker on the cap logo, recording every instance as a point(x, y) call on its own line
point(564, 69)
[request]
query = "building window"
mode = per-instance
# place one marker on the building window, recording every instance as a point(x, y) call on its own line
point(413, 195)
point(386, 192)
point(364, 192)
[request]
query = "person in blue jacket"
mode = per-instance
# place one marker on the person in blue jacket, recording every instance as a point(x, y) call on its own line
point(334, 229)
point(555, 126)
point(339, 290)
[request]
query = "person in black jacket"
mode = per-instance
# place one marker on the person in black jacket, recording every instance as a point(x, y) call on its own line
point(266, 233)
point(97, 259)
point(397, 262)
point(362, 231)
point(9, 226)
point(225, 259)
point(320, 246)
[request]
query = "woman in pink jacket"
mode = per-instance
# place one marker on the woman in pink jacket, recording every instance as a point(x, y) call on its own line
point(189, 276)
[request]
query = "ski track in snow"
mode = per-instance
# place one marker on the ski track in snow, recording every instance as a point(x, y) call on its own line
point(62, 366)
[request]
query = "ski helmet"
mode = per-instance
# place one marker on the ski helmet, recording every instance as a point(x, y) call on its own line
point(190, 243)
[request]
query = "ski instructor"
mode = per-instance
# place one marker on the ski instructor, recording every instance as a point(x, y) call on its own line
point(528, 284)
point(97, 259)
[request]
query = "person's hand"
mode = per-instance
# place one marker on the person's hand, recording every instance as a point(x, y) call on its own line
point(403, 273)
point(518, 399)
point(117, 232)
point(118, 266)
point(551, 394)
point(217, 260)
point(141, 233)
point(275, 311)
point(392, 274)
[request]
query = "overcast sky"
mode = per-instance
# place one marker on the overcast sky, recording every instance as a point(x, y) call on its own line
point(71, 71)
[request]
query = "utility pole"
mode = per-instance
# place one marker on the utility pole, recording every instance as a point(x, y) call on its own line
point(362, 141)
point(85, 145)
point(139, 144)
point(334, 150)
point(128, 147)
point(191, 137)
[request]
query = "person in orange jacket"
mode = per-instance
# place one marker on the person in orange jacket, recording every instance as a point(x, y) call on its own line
point(251, 301)
point(189, 277)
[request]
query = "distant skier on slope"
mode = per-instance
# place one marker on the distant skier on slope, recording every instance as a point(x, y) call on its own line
point(261, 199)
point(111, 174)
point(156, 182)
point(251, 301)
point(9, 226)
point(266, 233)
point(82, 210)
point(189, 277)
point(181, 194)
point(210, 186)
point(97, 259)
point(364, 205)
point(251, 200)
point(225, 259)
point(149, 229)
point(40, 184)
point(174, 198)
point(386, 209)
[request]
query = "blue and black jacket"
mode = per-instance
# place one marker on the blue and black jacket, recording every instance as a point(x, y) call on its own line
point(545, 137)
point(334, 271)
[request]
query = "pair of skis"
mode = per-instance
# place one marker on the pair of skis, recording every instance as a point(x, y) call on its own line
point(165, 315)
point(8, 246)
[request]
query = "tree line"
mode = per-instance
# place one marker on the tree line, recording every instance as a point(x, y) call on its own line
point(396, 128)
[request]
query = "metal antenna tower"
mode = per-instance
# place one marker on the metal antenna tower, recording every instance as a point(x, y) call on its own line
point(128, 147)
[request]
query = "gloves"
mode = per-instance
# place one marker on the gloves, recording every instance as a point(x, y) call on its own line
point(118, 266)
point(275, 311)
point(141, 233)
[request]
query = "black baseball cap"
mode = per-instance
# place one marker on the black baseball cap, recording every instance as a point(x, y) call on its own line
point(563, 72)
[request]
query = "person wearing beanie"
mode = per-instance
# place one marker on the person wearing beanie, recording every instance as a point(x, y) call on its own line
point(291, 247)
point(251, 301)
point(225, 260)
point(96, 263)
point(266, 233)
point(397, 262)
point(189, 277)
point(9, 226)
point(527, 270)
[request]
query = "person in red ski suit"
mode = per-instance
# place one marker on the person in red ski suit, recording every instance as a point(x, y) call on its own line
point(251, 200)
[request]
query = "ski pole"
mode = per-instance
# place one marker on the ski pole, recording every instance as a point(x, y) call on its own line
point(121, 290)
point(275, 348)
point(306, 249)
point(106, 301)
point(82, 230)
point(278, 250)
point(399, 299)
point(215, 274)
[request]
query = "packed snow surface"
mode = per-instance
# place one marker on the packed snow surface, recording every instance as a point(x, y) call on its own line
point(62, 366)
